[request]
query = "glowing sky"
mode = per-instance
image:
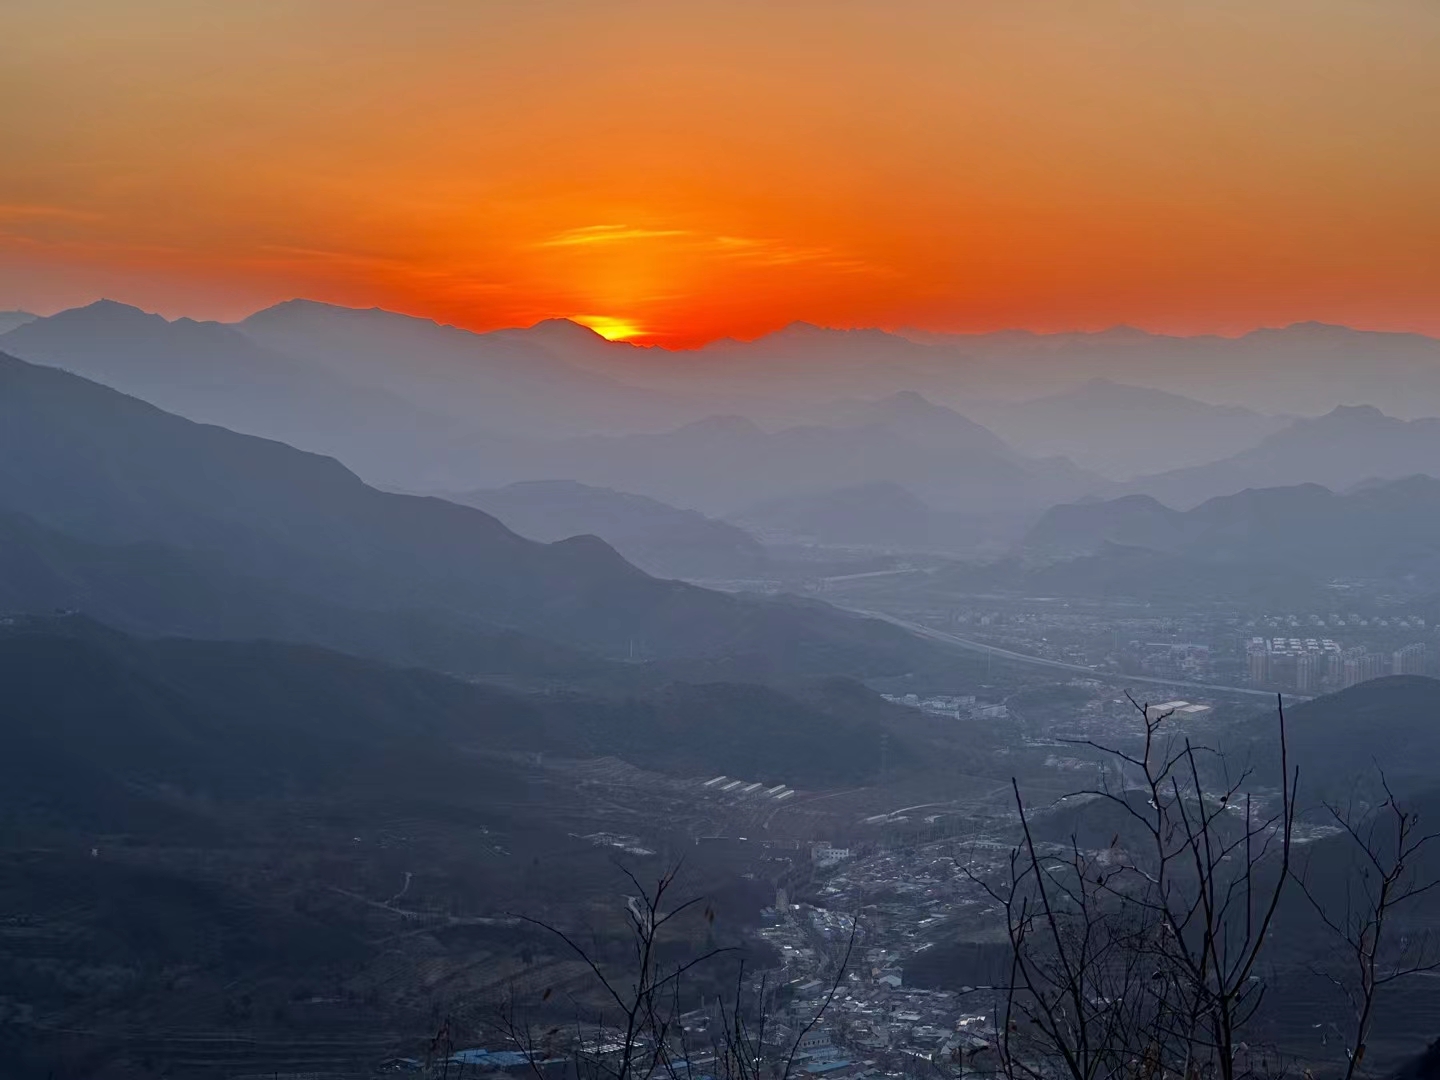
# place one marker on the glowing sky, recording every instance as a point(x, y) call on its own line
point(689, 169)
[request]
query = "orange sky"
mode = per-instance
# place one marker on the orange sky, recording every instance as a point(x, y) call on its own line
point(697, 168)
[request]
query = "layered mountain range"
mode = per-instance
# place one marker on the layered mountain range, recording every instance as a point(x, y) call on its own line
point(562, 433)
point(1347, 446)
point(119, 480)
point(330, 606)
point(1390, 525)
point(653, 535)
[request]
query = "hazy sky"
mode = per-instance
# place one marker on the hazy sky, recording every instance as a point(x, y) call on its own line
point(703, 168)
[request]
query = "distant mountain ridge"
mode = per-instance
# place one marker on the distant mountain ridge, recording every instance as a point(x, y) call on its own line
point(1123, 431)
point(723, 465)
point(415, 405)
point(930, 424)
point(88, 462)
point(658, 538)
point(1305, 368)
point(418, 406)
point(1389, 530)
point(510, 382)
point(210, 372)
point(1348, 445)
point(9, 320)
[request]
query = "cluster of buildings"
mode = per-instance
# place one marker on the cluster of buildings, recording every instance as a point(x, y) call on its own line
point(1299, 664)
point(876, 1026)
point(1388, 623)
point(825, 854)
point(1177, 660)
point(724, 785)
point(862, 1020)
point(954, 706)
point(1410, 660)
point(881, 1022)
point(1179, 709)
point(1312, 665)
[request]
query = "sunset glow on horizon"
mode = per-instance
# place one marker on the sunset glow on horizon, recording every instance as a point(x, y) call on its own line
point(710, 169)
point(610, 327)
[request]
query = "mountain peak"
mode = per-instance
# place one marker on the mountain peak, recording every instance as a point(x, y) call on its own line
point(1356, 416)
point(911, 406)
point(299, 303)
point(919, 417)
point(911, 399)
point(13, 320)
point(566, 330)
point(108, 309)
point(100, 317)
point(1313, 330)
point(723, 425)
point(300, 314)
point(299, 308)
point(1315, 326)
point(106, 305)
point(589, 555)
point(1122, 332)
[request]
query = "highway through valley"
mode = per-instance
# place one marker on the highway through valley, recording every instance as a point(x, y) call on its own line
point(1059, 665)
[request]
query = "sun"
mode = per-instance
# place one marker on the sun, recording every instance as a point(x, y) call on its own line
point(609, 327)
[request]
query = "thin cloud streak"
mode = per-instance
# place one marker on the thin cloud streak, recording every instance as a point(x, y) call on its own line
point(608, 234)
point(736, 249)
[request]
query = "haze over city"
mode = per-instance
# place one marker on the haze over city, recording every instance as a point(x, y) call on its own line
point(698, 541)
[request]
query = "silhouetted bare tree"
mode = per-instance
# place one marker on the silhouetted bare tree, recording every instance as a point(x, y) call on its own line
point(1389, 844)
point(1141, 959)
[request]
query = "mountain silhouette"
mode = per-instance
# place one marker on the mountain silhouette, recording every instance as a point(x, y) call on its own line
point(1346, 446)
point(1379, 530)
point(508, 382)
point(90, 463)
point(725, 464)
point(1123, 431)
point(658, 538)
point(212, 373)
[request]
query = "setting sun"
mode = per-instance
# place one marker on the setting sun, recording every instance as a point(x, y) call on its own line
point(983, 373)
point(1225, 166)
point(609, 327)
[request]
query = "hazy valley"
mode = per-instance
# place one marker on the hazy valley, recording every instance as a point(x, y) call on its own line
point(256, 689)
point(714, 541)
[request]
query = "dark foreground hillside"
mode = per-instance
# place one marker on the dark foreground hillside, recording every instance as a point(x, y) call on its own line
point(1341, 741)
point(98, 725)
point(211, 852)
